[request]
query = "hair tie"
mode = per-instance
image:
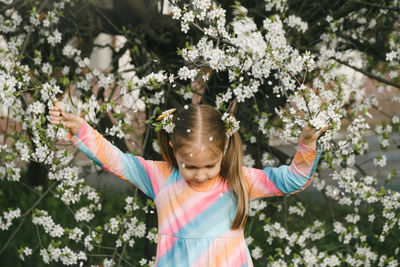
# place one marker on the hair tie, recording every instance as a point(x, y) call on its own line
point(231, 124)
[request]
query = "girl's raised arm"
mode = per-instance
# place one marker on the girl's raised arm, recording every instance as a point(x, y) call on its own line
point(145, 174)
point(287, 179)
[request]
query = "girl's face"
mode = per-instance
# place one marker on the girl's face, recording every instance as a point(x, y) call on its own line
point(198, 165)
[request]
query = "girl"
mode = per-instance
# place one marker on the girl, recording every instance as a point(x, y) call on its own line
point(201, 190)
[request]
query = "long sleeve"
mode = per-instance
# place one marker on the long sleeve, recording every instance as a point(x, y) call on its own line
point(284, 179)
point(147, 175)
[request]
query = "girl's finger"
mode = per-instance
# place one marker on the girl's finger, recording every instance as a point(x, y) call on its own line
point(55, 119)
point(67, 116)
point(308, 132)
point(56, 122)
point(320, 131)
point(54, 113)
point(60, 106)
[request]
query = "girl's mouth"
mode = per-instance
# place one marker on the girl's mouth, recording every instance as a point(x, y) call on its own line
point(195, 182)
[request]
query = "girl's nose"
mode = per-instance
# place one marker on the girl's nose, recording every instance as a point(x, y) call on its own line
point(199, 176)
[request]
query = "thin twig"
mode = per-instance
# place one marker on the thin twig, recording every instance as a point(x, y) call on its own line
point(38, 235)
point(30, 188)
point(360, 169)
point(98, 255)
point(12, 235)
point(224, 40)
point(5, 134)
point(104, 247)
point(292, 116)
point(108, 20)
point(40, 199)
point(122, 253)
point(305, 75)
point(116, 248)
point(127, 262)
point(305, 100)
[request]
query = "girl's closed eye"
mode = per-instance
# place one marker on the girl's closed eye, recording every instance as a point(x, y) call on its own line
point(190, 167)
point(194, 167)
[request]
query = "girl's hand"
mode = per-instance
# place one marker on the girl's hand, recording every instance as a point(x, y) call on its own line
point(309, 136)
point(58, 115)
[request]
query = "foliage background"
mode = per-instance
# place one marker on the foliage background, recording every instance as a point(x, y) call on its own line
point(46, 55)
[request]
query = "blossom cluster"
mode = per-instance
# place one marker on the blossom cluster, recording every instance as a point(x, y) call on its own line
point(64, 255)
point(42, 218)
point(7, 218)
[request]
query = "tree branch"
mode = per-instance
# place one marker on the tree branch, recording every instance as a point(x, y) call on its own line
point(373, 76)
point(25, 214)
point(30, 32)
point(376, 5)
point(100, 12)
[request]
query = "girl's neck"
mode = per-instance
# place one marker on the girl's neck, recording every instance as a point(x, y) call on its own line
point(207, 185)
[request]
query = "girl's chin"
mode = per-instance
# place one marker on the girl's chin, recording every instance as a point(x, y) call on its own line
point(199, 183)
point(196, 182)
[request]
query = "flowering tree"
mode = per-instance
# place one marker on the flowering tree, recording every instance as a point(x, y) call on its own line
point(278, 65)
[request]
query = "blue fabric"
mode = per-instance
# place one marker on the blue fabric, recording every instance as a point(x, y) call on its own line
point(136, 173)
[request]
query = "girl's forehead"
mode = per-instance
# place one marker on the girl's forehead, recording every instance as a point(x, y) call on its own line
point(199, 150)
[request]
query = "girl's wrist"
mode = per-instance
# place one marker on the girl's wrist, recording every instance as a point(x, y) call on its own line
point(310, 143)
point(78, 122)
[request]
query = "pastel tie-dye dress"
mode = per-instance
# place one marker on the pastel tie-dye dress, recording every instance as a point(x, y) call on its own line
point(194, 222)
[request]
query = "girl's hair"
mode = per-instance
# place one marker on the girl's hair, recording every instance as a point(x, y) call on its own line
point(204, 121)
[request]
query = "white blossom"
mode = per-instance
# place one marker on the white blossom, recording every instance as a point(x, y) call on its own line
point(380, 161)
point(8, 216)
point(84, 214)
point(42, 218)
point(256, 253)
point(23, 252)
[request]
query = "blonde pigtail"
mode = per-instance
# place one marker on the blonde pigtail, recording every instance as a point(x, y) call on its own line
point(165, 147)
point(231, 168)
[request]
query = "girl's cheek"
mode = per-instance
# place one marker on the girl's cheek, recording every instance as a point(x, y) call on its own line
point(186, 173)
point(217, 170)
